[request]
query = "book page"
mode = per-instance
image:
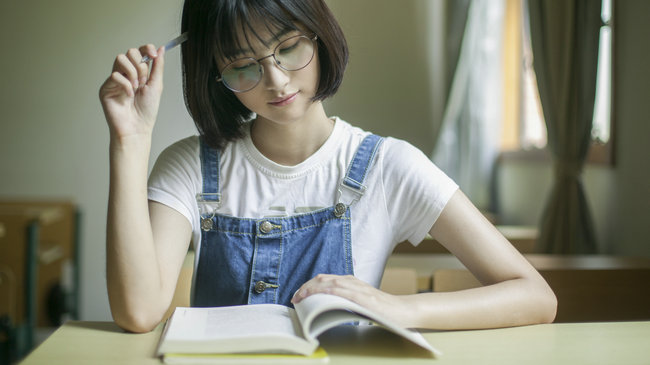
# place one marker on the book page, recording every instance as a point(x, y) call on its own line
point(261, 328)
point(229, 322)
point(320, 312)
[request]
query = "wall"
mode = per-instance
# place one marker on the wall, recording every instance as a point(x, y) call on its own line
point(629, 231)
point(53, 136)
point(394, 81)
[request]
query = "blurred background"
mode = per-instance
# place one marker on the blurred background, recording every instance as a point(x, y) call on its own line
point(54, 139)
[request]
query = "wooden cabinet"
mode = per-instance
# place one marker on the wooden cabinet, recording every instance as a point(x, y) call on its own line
point(52, 226)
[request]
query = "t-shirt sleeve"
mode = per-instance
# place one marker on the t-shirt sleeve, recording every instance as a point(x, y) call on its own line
point(416, 190)
point(175, 178)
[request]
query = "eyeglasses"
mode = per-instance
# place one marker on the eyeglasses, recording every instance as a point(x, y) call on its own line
point(292, 54)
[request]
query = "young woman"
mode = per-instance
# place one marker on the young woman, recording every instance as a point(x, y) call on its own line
point(280, 200)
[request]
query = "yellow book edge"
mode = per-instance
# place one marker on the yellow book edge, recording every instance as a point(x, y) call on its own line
point(319, 354)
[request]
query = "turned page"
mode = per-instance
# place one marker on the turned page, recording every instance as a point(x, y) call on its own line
point(320, 312)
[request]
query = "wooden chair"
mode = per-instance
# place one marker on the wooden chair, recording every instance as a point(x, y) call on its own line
point(399, 281)
point(584, 295)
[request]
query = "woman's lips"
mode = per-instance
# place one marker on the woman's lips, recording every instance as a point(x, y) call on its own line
point(285, 100)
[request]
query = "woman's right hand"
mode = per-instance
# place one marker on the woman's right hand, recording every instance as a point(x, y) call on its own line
point(130, 96)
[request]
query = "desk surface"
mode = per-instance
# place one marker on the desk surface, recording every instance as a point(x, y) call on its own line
point(426, 264)
point(575, 343)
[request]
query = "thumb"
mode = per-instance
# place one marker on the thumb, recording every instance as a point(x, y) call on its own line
point(157, 68)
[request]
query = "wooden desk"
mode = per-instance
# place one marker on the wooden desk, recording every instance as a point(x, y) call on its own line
point(426, 264)
point(589, 288)
point(576, 343)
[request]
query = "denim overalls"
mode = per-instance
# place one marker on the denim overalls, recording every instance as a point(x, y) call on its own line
point(251, 261)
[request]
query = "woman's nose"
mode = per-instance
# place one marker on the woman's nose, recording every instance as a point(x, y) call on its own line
point(274, 76)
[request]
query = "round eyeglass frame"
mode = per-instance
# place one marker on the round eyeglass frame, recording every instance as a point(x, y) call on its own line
point(259, 64)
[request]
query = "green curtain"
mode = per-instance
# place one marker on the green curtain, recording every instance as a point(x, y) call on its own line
point(564, 38)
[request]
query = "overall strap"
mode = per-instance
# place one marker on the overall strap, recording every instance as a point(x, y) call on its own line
point(209, 200)
point(358, 168)
point(361, 161)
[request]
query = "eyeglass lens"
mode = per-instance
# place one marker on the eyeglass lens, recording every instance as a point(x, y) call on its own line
point(291, 54)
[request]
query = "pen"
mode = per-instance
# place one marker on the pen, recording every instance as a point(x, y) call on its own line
point(171, 44)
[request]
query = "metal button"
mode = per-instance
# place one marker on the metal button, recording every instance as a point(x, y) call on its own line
point(206, 224)
point(266, 227)
point(260, 287)
point(339, 210)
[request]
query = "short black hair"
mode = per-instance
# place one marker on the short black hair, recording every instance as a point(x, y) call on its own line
point(213, 27)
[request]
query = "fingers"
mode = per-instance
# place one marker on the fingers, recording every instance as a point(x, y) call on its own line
point(396, 308)
point(125, 67)
point(131, 67)
point(130, 96)
point(120, 82)
point(149, 51)
point(142, 69)
point(344, 286)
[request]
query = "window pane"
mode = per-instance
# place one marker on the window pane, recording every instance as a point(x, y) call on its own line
point(606, 11)
point(602, 108)
point(533, 127)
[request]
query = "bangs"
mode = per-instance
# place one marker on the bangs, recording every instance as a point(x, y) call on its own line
point(239, 25)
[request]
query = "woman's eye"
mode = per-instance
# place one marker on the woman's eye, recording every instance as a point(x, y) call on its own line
point(242, 66)
point(289, 47)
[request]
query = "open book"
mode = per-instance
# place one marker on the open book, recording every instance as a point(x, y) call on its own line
point(267, 328)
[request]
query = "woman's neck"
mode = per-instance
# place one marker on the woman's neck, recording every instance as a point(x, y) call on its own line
point(292, 143)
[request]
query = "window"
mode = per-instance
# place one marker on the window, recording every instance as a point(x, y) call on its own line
point(524, 126)
point(601, 130)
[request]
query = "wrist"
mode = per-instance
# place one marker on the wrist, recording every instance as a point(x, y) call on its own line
point(129, 156)
point(407, 312)
point(133, 142)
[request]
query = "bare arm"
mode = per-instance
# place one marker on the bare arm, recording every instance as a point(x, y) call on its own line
point(513, 293)
point(145, 242)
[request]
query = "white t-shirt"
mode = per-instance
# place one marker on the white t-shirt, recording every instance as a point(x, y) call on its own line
point(405, 191)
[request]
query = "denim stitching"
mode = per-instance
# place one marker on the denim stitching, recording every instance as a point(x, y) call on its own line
point(354, 181)
point(372, 157)
point(251, 286)
point(374, 147)
point(276, 290)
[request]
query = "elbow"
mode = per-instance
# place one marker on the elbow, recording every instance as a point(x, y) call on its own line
point(538, 304)
point(550, 307)
point(135, 314)
point(546, 303)
point(136, 321)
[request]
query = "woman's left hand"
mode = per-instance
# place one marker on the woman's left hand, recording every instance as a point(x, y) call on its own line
point(347, 286)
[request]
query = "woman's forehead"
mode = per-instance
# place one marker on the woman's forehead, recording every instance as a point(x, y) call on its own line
point(263, 40)
point(257, 37)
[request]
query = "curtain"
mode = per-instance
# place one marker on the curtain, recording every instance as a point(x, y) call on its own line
point(564, 39)
point(456, 12)
point(468, 141)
